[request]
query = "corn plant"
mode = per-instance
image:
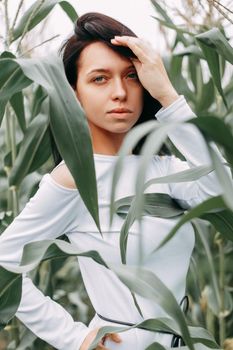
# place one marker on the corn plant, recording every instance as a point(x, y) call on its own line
point(32, 99)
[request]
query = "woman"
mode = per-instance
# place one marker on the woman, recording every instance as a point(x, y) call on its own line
point(120, 82)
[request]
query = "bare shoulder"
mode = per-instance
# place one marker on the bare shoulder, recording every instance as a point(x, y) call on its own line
point(62, 176)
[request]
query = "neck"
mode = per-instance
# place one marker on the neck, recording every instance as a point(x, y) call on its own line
point(105, 142)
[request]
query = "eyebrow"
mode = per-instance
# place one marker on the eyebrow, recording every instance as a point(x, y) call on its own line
point(104, 70)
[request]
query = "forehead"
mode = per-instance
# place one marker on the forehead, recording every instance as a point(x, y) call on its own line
point(98, 54)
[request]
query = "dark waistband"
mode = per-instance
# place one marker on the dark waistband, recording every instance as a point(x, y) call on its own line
point(176, 339)
point(183, 303)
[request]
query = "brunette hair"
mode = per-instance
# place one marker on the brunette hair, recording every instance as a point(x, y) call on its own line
point(93, 27)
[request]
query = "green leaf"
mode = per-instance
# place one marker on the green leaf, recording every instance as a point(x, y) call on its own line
point(175, 74)
point(130, 218)
point(161, 325)
point(69, 10)
point(209, 261)
point(10, 295)
point(33, 254)
point(15, 83)
point(35, 17)
point(196, 74)
point(182, 176)
point(168, 21)
point(6, 218)
point(198, 346)
point(222, 221)
point(38, 97)
point(223, 178)
point(17, 99)
point(151, 146)
point(12, 81)
point(68, 124)
point(214, 67)
point(155, 204)
point(36, 252)
point(173, 26)
point(27, 339)
point(41, 154)
point(188, 51)
point(148, 285)
point(156, 325)
point(214, 204)
point(216, 130)
point(132, 138)
point(155, 346)
point(27, 159)
point(206, 98)
point(213, 43)
point(214, 39)
point(17, 103)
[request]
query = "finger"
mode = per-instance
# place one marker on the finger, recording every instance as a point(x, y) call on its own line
point(137, 64)
point(148, 51)
point(101, 347)
point(142, 43)
point(115, 337)
point(133, 44)
point(103, 340)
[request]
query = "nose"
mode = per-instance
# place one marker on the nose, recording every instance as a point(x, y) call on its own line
point(119, 91)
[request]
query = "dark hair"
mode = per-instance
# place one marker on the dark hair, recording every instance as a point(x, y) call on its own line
point(92, 27)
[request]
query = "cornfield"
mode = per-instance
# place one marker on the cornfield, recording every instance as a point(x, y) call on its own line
point(33, 93)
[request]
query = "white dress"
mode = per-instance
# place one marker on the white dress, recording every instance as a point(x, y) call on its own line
point(55, 210)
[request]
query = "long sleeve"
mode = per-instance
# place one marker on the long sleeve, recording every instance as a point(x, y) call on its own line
point(189, 141)
point(48, 214)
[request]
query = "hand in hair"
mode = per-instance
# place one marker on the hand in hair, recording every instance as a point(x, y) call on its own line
point(91, 336)
point(150, 69)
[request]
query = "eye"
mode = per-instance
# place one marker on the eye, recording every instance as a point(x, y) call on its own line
point(99, 79)
point(133, 75)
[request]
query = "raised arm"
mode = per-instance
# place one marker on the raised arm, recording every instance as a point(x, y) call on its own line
point(189, 141)
point(187, 138)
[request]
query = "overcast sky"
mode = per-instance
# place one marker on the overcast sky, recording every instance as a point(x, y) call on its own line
point(134, 13)
point(137, 14)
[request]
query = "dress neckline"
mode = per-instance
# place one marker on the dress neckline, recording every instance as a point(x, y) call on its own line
point(111, 156)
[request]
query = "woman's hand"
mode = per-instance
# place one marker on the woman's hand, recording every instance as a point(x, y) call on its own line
point(150, 69)
point(91, 336)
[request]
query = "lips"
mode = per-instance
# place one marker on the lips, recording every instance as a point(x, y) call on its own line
point(120, 110)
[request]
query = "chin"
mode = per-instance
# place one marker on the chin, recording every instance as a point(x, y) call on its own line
point(120, 130)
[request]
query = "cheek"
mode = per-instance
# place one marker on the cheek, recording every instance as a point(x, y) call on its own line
point(91, 105)
point(83, 98)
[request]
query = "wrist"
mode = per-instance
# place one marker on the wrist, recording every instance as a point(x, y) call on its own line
point(168, 99)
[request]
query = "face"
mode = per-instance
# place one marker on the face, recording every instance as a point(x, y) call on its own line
point(108, 81)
